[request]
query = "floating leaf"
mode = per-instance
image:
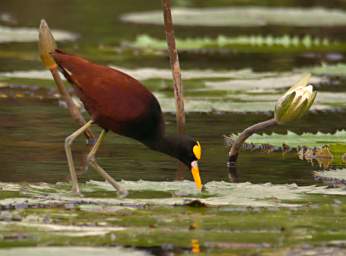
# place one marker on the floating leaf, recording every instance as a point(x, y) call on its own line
point(8, 35)
point(332, 177)
point(183, 193)
point(245, 16)
point(330, 70)
point(72, 251)
point(254, 43)
point(305, 139)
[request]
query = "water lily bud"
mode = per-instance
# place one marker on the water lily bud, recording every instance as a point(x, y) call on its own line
point(46, 45)
point(295, 102)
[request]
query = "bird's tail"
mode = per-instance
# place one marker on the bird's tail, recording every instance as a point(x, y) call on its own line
point(68, 64)
point(58, 56)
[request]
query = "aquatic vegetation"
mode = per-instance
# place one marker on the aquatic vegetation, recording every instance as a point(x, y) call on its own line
point(289, 107)
point(205, 90)
point(245, 16)
point(330, 70)
point(154, 73)
point(46, 45)
point(294, 140)
point(7, 18)
point(332, 178)
point(8, 35)
point(295, 102)
point(245, 69)
point(239, 43)
point(324, 148)
point(262, 82)
point(257, 217)
point(67, 251)
point(181, 193)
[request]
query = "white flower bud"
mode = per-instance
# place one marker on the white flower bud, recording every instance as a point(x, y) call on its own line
point(295, 102)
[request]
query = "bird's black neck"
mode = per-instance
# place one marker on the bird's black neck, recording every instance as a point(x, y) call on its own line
point(169, 145)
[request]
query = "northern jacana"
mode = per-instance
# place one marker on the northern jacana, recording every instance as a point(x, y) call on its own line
point(119, 103)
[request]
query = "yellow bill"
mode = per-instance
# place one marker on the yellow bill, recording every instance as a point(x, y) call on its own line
point(195, 174)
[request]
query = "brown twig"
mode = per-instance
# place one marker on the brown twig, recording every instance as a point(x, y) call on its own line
point(46, 46)
point(174, 60)
point(236, 146)
point(176, 73)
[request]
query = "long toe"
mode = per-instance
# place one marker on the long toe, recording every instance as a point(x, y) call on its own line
point(123, 193)
point(76, 191)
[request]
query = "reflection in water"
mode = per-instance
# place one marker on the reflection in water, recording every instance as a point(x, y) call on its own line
point(233, 173)
point(321, 155)
point(195, 248)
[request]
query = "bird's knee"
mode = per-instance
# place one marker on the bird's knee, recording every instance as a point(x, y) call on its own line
point(91, 159)
point(68, 141)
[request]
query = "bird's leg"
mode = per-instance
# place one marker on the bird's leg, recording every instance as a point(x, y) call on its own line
point(68, 142)
point(92, 161)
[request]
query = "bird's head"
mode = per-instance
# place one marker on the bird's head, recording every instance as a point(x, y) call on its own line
point(190, 153)
point(183, 148)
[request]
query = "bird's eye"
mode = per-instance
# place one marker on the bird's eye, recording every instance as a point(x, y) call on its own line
point(197, 150)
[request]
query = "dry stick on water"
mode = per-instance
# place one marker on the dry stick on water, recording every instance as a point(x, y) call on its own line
point(236, 145)
point(175, 65)
point(174, 59)
point(46, 46)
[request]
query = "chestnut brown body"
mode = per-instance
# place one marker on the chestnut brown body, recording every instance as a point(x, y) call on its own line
point(115, 100)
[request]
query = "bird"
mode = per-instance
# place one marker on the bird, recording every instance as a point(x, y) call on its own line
point(121, 104)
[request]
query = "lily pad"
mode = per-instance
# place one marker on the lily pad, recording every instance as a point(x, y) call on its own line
point(152, 73)
point(8, 35)
point(254, 43)
point(68, 230)
point(333, 178)
point(245, 17)
point(182, 193)
point(305, 139)
point(67, 251)
point(210, 90)
point(330, 70)
point(267, 82)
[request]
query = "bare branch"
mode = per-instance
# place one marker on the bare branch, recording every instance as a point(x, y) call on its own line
point(174, 60)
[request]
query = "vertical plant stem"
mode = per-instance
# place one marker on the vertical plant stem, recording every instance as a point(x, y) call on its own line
point(175, 65)
point(47, 45)
point(73, 109)
point(236, 146)
point(176, 73)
